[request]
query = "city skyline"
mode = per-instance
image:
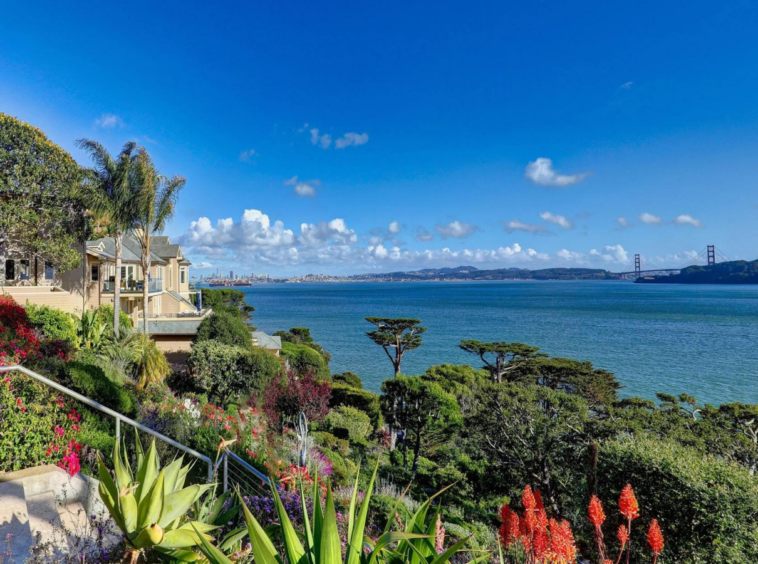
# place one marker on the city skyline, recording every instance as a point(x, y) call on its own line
point(349, 139)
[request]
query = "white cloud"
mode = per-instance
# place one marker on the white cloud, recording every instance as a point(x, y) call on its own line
point(304, 189)
point(322, 141)
point(203, 265)
point(109, 121)
point(541, 172)
point(423, 235)
point(627, 85)
point(611, 253)
point(351, 139)
point(623, 223)
point(456, 230)
point(686, 219)
point(650, 219)
point(516, 225)
point(395, 227)
point(335, 231)
point(246, 156)
point(558, 220)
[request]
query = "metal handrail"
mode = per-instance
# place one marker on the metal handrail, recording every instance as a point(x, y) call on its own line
point(119, 418)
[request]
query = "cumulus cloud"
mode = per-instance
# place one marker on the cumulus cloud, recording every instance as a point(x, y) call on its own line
point(203, 265)
point(456, 230)
point(304, 189)
point(351, 139)
point(611, 253)
point(559, 220)
point(623, 223)
point(322, 141)
point(517, 225)
point(395, 227)
point(109, 121)
point(650, 219)
point(542, 172)
point(247, 156)
point(686, 219)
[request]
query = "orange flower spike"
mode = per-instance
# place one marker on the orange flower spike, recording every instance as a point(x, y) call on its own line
point(505, 513)
point(623, 535)
point(596, 515)
point(628, 503)
point(655, 537)
point(562, 547)
point(527, 499)
point(538, 499)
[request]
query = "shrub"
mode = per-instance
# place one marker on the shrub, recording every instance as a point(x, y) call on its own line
point(18, 341)
point(349, 423)
point(286, 398)
point(223, 371)
point(707, 508)
point(343, 394)
point(352, 380)
point(53, 323)
point(226, 328)
point(149, 364)
point(227, 300)
point(304, 359)
point(105, 315)
point(330, 442)
point(93, 381)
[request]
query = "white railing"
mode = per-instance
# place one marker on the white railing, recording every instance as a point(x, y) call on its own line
point(238, 474)
point(117, 416)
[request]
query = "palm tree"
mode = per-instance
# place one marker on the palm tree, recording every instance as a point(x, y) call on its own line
point(155, 201)
point(112, 197)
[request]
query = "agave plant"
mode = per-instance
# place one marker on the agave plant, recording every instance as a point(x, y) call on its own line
point(150, 506)
point(414, 545)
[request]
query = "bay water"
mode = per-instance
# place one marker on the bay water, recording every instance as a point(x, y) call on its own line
point(702, 340)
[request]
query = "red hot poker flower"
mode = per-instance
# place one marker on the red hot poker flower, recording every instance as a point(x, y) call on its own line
point(527, 498)
point(596, 515)
point(655, 537)
point(628, 503)
point(562, 547)
point(538, 499)
point(623, 535)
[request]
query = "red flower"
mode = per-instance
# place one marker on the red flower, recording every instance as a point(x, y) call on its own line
point(655, 537)
point(628, 503)
point(623, 535)
point(527, 498)
point(596, 515)
point(562, 544)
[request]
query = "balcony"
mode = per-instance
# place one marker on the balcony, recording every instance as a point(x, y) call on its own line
point(134, 286)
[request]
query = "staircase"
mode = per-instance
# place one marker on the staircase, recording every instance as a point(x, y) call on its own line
point(44, 505)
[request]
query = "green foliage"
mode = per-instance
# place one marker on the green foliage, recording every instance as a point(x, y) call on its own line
point(150, 505)
point(368, 402)
point(414, 545)
point(348, 423)
point(227, 300)
point(396, 336)
point(427, 414)
point(40, 209)
point(225, 372)
point(500, 358)
point(461, 380)
point(149, 363)
point(53, 323)
point(98, 382)
point(329, 442)
point(352, 380)
point(225, 328)
point(303, 360)
point(105, 315)
point(707, 508)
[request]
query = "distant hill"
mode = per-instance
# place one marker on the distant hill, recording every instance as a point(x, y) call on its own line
point(472, 273)
point(732, 272)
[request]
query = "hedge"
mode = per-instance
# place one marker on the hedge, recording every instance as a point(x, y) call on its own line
point(344, 394)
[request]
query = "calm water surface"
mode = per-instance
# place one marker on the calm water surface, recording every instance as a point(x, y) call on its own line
point(696, 339)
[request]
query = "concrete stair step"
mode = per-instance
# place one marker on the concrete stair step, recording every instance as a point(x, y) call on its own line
point(43, 517)
point(14, 521)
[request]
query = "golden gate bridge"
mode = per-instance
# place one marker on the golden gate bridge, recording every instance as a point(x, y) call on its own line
point(643, 267)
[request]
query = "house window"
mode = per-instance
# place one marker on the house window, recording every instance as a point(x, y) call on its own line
point(183, 274)
point(10, 269)
point(49, 270)
point(127, 273)
point(94, 272)
point(24, 270)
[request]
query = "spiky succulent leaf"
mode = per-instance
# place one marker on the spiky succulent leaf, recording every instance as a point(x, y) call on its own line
point(178, 503)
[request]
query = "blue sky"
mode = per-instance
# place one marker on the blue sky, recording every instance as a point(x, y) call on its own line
point(350, 137)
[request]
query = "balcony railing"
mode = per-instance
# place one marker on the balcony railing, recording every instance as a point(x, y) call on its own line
point(182, 315)
point(155, 285)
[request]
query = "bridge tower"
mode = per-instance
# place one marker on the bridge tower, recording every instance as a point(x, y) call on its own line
point(711, 255)
point(637, 266)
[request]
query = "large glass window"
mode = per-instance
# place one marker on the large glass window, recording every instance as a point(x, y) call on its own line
point(94, 273)
point(49, 270)
point(10, 269)
point(25, 269)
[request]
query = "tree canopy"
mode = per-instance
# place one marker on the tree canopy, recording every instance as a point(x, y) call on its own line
point(398, 334)
point(500, 357)
point(39, 195)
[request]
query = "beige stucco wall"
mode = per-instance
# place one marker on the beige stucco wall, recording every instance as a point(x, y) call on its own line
point(168, 343)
